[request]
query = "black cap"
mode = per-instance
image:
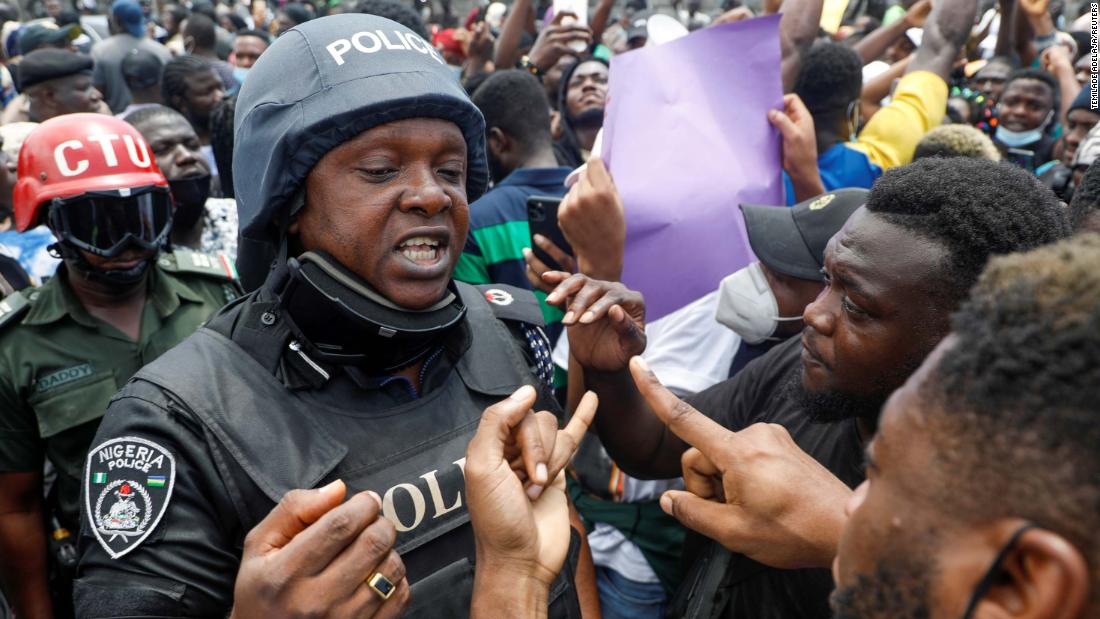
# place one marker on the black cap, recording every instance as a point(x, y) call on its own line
point(141, 68)
point(44, 65)
point(792, 240)
point(36, 35)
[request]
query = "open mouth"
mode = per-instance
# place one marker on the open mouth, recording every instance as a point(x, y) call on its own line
point(422, 250)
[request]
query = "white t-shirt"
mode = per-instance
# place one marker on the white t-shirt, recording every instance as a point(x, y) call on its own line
point(689, 351)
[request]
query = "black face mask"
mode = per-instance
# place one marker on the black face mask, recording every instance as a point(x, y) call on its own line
point(113, 278)
point(349, 323)
point(190, 196)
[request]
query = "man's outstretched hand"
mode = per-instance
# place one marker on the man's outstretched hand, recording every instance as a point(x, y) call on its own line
point(605, 320)
point(312, 556)
point(754, 491)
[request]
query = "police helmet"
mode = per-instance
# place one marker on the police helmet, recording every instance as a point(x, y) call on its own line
point(319, 85)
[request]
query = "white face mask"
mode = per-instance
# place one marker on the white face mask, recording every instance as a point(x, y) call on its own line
point(747, 305)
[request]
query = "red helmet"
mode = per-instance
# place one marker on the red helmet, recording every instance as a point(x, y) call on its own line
point(75, 154)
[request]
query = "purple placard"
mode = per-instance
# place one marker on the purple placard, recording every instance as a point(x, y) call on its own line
point(693, 143)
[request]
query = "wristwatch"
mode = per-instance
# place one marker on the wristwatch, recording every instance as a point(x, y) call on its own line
point(525, 64)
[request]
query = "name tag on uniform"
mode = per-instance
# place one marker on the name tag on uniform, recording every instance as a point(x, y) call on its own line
point(63, 377)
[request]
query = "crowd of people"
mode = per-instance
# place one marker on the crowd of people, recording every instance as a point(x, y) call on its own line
point(324, 309)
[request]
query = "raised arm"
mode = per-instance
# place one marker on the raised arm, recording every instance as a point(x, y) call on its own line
point(1056, 60)
point(875, 44)
point(1006, 34)
point(797, 30)
point(606, 323)
point(945, 32)
point(506, 53)
point(598, 23)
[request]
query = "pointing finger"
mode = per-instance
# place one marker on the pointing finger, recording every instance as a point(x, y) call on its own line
point(689, 424)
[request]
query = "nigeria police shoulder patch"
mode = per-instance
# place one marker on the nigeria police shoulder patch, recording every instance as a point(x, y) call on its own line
point(127, 484)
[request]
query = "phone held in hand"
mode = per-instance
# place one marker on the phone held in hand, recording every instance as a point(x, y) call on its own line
point(542, 215)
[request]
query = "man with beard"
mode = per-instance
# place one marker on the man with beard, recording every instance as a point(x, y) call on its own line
point(357, 363)
point(581, 100)
point(894, 274)
point(981, 478)
point(522, 164)
point(192, 87)
point(200, 222)
point(986, 459)
point(116, 304)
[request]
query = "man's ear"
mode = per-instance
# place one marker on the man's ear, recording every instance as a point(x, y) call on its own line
point(498, 141)
point(1043, 577)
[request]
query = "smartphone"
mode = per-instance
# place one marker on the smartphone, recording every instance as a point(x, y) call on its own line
point(1022, 157)
point(576, 7)
point(542, 215)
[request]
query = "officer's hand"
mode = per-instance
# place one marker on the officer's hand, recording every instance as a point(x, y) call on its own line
point(536, 267)
point(592, 220)
point(312, 557)
point(754, 491)
point(522, 534)
point(605, 320)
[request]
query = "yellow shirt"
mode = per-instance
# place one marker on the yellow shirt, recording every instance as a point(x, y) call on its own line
point(917, 105)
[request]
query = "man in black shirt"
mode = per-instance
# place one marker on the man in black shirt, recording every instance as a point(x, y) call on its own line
point(894, 274)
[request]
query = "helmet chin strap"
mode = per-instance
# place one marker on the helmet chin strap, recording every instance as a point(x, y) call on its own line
point(113, 278)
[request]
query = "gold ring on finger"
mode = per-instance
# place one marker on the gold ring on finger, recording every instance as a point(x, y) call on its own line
point(383, 586)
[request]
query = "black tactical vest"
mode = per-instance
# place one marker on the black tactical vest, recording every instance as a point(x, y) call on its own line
point(267, 442)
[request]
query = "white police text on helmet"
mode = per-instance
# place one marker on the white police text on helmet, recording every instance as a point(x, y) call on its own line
point(71, 156)
point(367, 42)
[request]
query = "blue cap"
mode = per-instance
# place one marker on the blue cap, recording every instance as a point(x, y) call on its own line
point(128, 15)
point(351, 72)
point(1083, 100)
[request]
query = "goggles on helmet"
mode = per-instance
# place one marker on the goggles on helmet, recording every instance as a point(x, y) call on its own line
point(107, 223)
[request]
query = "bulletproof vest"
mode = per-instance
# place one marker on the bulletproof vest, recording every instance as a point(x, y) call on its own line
point(267, 441)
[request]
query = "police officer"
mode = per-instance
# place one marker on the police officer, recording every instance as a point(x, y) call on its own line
point(357, 362)
point(117, 303)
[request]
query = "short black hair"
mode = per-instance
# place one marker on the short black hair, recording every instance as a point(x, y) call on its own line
point(8, 12)
point(831, 78)
point(178, 12)
point(1086, 197)
point(67, 17)
point(173, 83)
point(400, 13)
point(259, 34)
point(297, 12)
point(153, 112)
point(1014, 397)
point(201, 28)
point(515, 102)
point(238, 22)
point(221, 142)
point(975, 208)
point(1041, 76)
point(204, 7)
point(472, 83)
